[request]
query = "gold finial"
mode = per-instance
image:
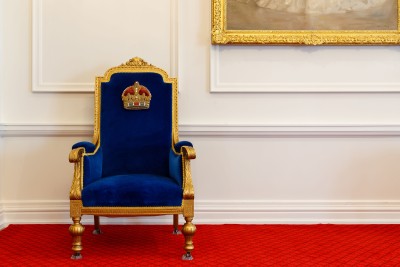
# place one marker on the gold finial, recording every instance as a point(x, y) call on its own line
point(136, 62)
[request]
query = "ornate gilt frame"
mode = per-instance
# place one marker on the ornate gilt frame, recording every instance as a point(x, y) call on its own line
point(222, 36)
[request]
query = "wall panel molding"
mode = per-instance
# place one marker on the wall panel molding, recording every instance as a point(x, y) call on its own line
point(290, 130)
point(38, 82)
point(221, 212)
point(45, 130)
point(218, 86)
point(216, 130)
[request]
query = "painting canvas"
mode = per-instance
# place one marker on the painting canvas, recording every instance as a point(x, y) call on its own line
point(306, 21)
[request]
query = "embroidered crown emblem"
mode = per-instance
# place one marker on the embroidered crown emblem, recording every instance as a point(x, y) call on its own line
point(136, 97)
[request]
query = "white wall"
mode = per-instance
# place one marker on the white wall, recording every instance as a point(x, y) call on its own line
point(311, 145)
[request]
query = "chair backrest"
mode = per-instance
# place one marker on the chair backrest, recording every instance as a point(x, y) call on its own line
point(135, 140)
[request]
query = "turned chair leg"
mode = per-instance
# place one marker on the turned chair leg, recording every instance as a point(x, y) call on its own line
point(176, 225)
point(76, 230)
point(97, 230)
point(188, 231)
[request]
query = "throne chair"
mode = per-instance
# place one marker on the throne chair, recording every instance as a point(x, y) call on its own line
point(135, 165)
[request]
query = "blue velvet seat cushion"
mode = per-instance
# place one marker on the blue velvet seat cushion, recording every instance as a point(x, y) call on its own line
point(132, 190)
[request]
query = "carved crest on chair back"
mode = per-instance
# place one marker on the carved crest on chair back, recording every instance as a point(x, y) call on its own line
point(136, 97)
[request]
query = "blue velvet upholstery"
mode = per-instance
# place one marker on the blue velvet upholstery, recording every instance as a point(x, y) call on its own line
point(131, 138)
point(132, 190)
point(135, 164)
point(92, 167)
point(175, 167)
point(92, 164)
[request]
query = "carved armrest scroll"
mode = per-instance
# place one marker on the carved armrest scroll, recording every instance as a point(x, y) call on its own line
point(75, 156)
point(188, 154)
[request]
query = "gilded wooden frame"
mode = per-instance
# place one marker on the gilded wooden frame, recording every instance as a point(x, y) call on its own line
point(221, 35)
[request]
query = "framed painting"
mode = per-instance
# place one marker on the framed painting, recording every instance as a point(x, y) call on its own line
point(306, 22)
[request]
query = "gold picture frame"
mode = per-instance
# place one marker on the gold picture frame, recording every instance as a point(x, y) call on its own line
point(367, 28)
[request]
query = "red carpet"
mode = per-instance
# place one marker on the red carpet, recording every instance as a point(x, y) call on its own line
point(215, 245)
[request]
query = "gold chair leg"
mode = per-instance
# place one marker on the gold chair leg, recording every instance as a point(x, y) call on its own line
point(188, 230)
point(97, 230)
point(76, 230)
point(176, 225)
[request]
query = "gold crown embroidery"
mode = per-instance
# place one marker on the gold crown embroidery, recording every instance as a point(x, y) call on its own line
point(136, 97)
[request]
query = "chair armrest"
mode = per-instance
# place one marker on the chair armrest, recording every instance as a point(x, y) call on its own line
point(76, 154)
point(188, 153)
point(88, 146)
point(177, 159)
point(178, 146)
point(88, 162)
